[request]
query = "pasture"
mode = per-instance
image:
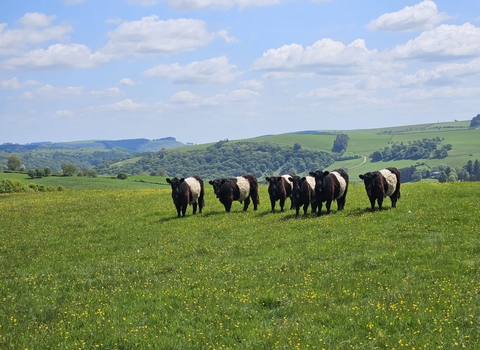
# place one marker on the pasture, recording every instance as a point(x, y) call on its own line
point(116, 269)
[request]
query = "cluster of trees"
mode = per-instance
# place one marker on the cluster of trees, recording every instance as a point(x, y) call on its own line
point(341, 143)
point(420, 149)
point(54, 159)
point(226, 159)
point(475, 122)
point(443, 173)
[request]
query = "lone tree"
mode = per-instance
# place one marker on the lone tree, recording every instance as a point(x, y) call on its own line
point(340, 144)
point(475, 121)
point(69, 169)
point(14, 163)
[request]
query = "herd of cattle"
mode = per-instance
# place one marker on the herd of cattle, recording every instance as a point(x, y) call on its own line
point(311, 190)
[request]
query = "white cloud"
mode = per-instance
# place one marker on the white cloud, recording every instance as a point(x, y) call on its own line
point(324, 56)
point(142, 2)
point(251, 84)
point(185, 97)
point(14, 41)
point(64, 113)
point(445, 41)
point(214, 70)
point(330, 92)
point(108, 92)
point(422, 16)
point(443, 74)
point(127, 81)
point(150, 35)
point(126, 105)
point(442, 93)
point(240, 95)
point(36, 19)
point(57, 56)
point(13, 84)
point(191, 5)
point(72, 2)
point(49, 91)
point(116, 20)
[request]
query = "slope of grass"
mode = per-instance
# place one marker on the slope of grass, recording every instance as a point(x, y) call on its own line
point(115, 269)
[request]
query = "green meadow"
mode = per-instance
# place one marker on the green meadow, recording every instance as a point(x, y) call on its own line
point(115, 268)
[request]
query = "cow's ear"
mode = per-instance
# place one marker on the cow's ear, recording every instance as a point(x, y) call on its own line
point(311, 173)
point(210, 182)
point(168, 180)
point(304, 178)
point(374, 175)
point(325, 173)
point(279, 178)
point(222, 182)
point(290, 179)
point(361, 176)
point(181, 180)
point(267, 178)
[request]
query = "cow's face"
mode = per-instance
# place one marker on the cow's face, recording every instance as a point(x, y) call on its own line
point(216, 184)
point(319, 179)
point(297, 186)
point(273, 183)
point(175, 185)
point(368, 180)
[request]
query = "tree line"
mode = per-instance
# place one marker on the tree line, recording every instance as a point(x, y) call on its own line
point(442, 172)
point(420, 149)
point(225, 159)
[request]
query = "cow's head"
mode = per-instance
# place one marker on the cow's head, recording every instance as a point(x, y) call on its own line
point(369, 181)
point(296, 186)
point(319, 179)
point(216, 184)
point(273, 183)
point(175, 184)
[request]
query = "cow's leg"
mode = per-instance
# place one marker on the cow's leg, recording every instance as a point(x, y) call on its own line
point(272, 202)
point(380, 202)
point(179, 214)
point(305, 208)
point(319, 208)
point(394, 198)
point(282, 204)
point(328, 205)
point(341, 202)
point(297, 211)
point(228, 206)
point(246, 203)
point(372, 204)
point(184, 210)
point(201, 203)
point(194, 207)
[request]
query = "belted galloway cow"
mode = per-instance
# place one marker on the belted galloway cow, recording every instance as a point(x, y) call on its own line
point(241, 188)
point(187, 191)
point(303, 193)
point(380, 184)
point(279, 189)
point(330, 186)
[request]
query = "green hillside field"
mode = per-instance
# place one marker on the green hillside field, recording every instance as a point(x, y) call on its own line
point(116, 269)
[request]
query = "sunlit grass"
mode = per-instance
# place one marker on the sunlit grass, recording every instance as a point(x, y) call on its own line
point(115, 269)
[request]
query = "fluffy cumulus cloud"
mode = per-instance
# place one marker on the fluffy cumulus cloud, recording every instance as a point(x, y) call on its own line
point(127, 81)
point(325, 55)
point(422, 16)
point(444, 74)
point(49, 91)
point(190, 5)
point(215, 70)
point(14, 83)
point(251, 84)
point(36, 29)
point(189, 99)
point(57, 56)
point(151, 35)
point(64, 113)
point(126, 105)
point(443, 42)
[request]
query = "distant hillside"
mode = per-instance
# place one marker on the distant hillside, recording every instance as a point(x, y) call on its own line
point(138, 145)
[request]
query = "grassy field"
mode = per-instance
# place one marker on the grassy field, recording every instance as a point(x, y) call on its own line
point(116, 269)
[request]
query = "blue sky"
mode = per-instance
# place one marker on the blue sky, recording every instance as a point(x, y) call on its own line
point(208, 70)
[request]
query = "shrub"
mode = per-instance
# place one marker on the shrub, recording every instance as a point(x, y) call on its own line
point(122, 176)
point(11, 186)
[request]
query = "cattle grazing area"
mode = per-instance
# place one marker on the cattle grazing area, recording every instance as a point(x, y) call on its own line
point(116, 269)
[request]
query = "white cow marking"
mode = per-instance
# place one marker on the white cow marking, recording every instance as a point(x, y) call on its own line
point(194, 185)
point(343, 183)
point(287, 177)
point(391, 181)
point(244, 187)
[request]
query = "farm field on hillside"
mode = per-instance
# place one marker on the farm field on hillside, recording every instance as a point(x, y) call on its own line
point(116, 269)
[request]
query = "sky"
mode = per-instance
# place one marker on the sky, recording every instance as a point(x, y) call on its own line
point(208, 70)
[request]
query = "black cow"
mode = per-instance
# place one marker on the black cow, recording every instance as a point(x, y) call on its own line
point(241, 188)
point(303, 193)
point(187, 191)
point(279, 189)
point(330, 186)
point(380, 184)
